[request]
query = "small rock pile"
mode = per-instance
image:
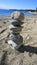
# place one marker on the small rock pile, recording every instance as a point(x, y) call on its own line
point(15, 39)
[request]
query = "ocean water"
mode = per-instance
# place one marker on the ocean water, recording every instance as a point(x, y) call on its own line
point(8, 12)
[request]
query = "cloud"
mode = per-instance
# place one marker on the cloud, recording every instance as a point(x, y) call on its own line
point(3, 6)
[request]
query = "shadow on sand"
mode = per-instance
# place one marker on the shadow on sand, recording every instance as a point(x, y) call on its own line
point(3, 60)
point(29, 49)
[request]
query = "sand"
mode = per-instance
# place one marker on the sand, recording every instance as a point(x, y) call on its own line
point(27, 53)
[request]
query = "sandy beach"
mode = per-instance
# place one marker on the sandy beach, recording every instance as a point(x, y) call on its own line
point(25, 55)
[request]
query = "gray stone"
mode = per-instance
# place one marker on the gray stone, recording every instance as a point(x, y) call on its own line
point(15, 29)
point(17, 15)
point(16, 40)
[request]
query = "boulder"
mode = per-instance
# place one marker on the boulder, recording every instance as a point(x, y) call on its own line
point(17, 15)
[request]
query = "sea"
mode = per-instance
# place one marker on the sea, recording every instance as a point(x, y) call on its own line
point(4, 12)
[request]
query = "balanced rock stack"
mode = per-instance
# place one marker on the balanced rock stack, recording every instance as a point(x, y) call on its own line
point(15, 39)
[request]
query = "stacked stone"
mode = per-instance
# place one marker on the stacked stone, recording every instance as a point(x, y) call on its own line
point(15, 39)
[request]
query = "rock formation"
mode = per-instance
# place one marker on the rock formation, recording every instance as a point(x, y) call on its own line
point(15, 39)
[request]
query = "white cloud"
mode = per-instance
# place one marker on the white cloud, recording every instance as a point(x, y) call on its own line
point(3, 6)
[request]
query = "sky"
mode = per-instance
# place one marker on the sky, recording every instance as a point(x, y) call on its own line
point(18, 4)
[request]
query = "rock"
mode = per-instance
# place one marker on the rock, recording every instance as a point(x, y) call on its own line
point(17, 15)
point(16, 22)
point(15, 29)
point(15, 41)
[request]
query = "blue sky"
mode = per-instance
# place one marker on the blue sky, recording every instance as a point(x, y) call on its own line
point(18, 4)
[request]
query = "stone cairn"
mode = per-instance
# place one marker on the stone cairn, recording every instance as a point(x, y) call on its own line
point(15, 39)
